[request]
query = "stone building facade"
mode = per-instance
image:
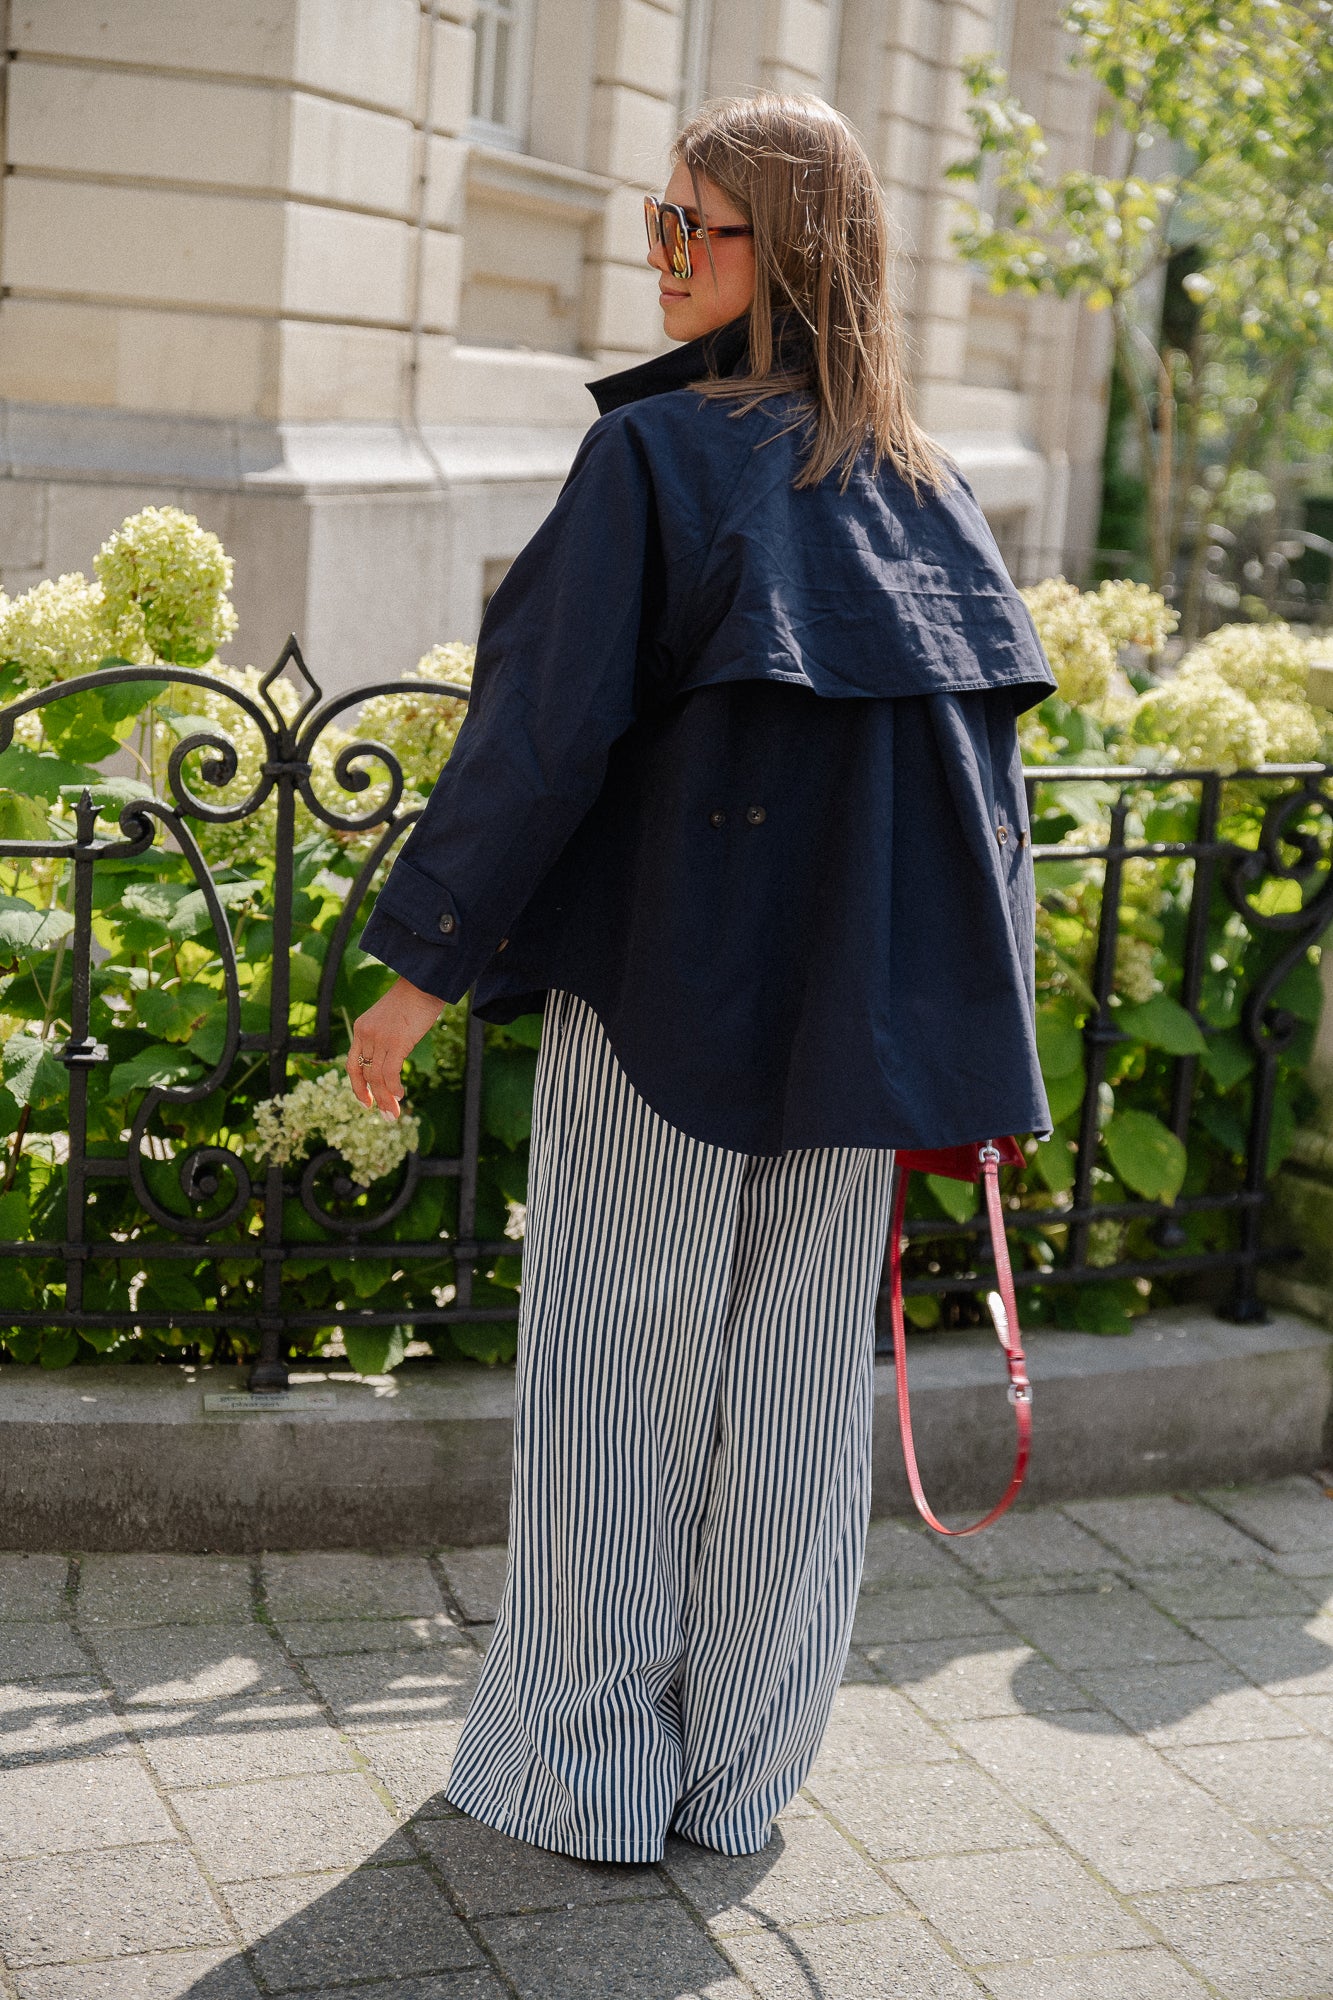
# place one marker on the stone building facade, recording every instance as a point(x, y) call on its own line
point(332, 274)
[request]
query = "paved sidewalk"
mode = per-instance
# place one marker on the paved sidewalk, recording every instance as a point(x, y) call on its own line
point(1089, 1753)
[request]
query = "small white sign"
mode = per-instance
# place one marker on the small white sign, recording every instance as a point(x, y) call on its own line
point(274, 1401)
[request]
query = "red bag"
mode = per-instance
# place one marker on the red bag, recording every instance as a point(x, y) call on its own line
point(964, 1163)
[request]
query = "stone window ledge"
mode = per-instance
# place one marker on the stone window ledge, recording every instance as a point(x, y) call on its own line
point(539, 187)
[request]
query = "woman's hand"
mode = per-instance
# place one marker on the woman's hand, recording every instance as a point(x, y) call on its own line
point(382, 1040)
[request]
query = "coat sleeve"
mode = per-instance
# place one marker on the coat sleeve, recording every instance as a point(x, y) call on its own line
point(553, 688)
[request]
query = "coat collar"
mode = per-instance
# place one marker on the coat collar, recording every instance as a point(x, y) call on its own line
point(725, 351)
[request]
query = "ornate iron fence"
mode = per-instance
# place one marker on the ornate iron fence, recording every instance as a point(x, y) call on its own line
point(245, 1216)
point(1293, 848)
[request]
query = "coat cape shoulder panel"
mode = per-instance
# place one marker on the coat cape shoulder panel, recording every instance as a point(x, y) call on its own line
point(741, 769)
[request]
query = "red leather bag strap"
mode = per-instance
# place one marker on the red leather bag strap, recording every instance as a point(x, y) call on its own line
point(1004, 1313)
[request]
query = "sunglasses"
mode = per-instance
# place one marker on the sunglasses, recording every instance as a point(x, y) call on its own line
point(668, 225)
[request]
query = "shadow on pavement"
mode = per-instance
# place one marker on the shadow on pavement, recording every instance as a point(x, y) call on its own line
point(566, 1929)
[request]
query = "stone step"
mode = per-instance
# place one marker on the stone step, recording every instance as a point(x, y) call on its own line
point(140, 1457)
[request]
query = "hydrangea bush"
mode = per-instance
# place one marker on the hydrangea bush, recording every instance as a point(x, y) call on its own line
point(160, 596)
point(1236, 700)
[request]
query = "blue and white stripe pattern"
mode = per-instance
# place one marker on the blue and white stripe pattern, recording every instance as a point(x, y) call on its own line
point(691, 1478)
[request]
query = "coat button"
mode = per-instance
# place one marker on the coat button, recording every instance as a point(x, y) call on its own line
point(756, 815)
point(717, 818)
point(1022, 836)
point(503, 942)
point(1002, 834)
point(447, 923)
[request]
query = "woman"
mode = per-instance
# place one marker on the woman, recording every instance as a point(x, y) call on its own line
point(738, 800)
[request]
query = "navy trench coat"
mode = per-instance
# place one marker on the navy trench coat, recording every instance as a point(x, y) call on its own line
point(741, 770)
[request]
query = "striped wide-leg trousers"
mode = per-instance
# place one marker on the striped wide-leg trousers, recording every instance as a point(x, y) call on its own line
point(691, 1480)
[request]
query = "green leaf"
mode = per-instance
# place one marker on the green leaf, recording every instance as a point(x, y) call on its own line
point(376, 1350)
point(208, 1038)
point(1107, 1308)
point(59, 1348)
point(1224, 1123)
point(109, 794)
point(1302, 991)
point(368, 1275)
point(298, 1226)
point(922, 1311)
point(303, 975)
point(28, 930)
point(179, 907)
point(16, 1290)
point(1163, 1024)
point(169, 1287)
point(422, 1218)
point(1064, 1094)
point(173, 1013)
point(154, 900)
point(151, 1067)
point(1227, 1058)
point(1147, 1156)
point(102, 1337)
point(40, 775)
point(1059, 1042)
point(526, 1030)
point(491, 1341)
point(1054, 1161)
point(124, 699)
point(1077, 984)
point(958, 1199)
point(506, 1094)
point(1172, 820)
point(509, 1169)
point(1053, 875)
point(32, 1074)
point(13, 1216)
point(21, 818)
point(1221, 998)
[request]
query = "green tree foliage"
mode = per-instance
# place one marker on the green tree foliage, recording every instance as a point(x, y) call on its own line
point(1240, 98)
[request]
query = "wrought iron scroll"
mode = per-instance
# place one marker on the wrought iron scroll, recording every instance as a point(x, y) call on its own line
point(215, 1185)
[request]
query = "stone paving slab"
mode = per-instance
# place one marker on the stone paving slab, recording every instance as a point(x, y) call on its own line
point(1089, 1758)
point(162, 1589)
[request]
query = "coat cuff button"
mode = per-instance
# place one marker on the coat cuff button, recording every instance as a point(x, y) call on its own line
point(448, 923)
point(756, 815)
point(717, 819)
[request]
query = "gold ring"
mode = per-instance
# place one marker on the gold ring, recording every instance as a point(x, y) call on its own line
point(365, 1061)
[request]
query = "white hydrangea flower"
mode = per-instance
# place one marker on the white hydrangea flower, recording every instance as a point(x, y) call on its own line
point(1133, 614)
point(59, 628)
point(1265, 662)
point(325, 1108)
point(165, 581)
point(1083, 632)
point(1203, 721)
point(1106, 1242)
point(1239, 698)
point(1134, 974)
point(1075, 641)
point(1294, 735)
point(421, 729)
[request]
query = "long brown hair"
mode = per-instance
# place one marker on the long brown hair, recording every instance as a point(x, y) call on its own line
point(801, 177)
